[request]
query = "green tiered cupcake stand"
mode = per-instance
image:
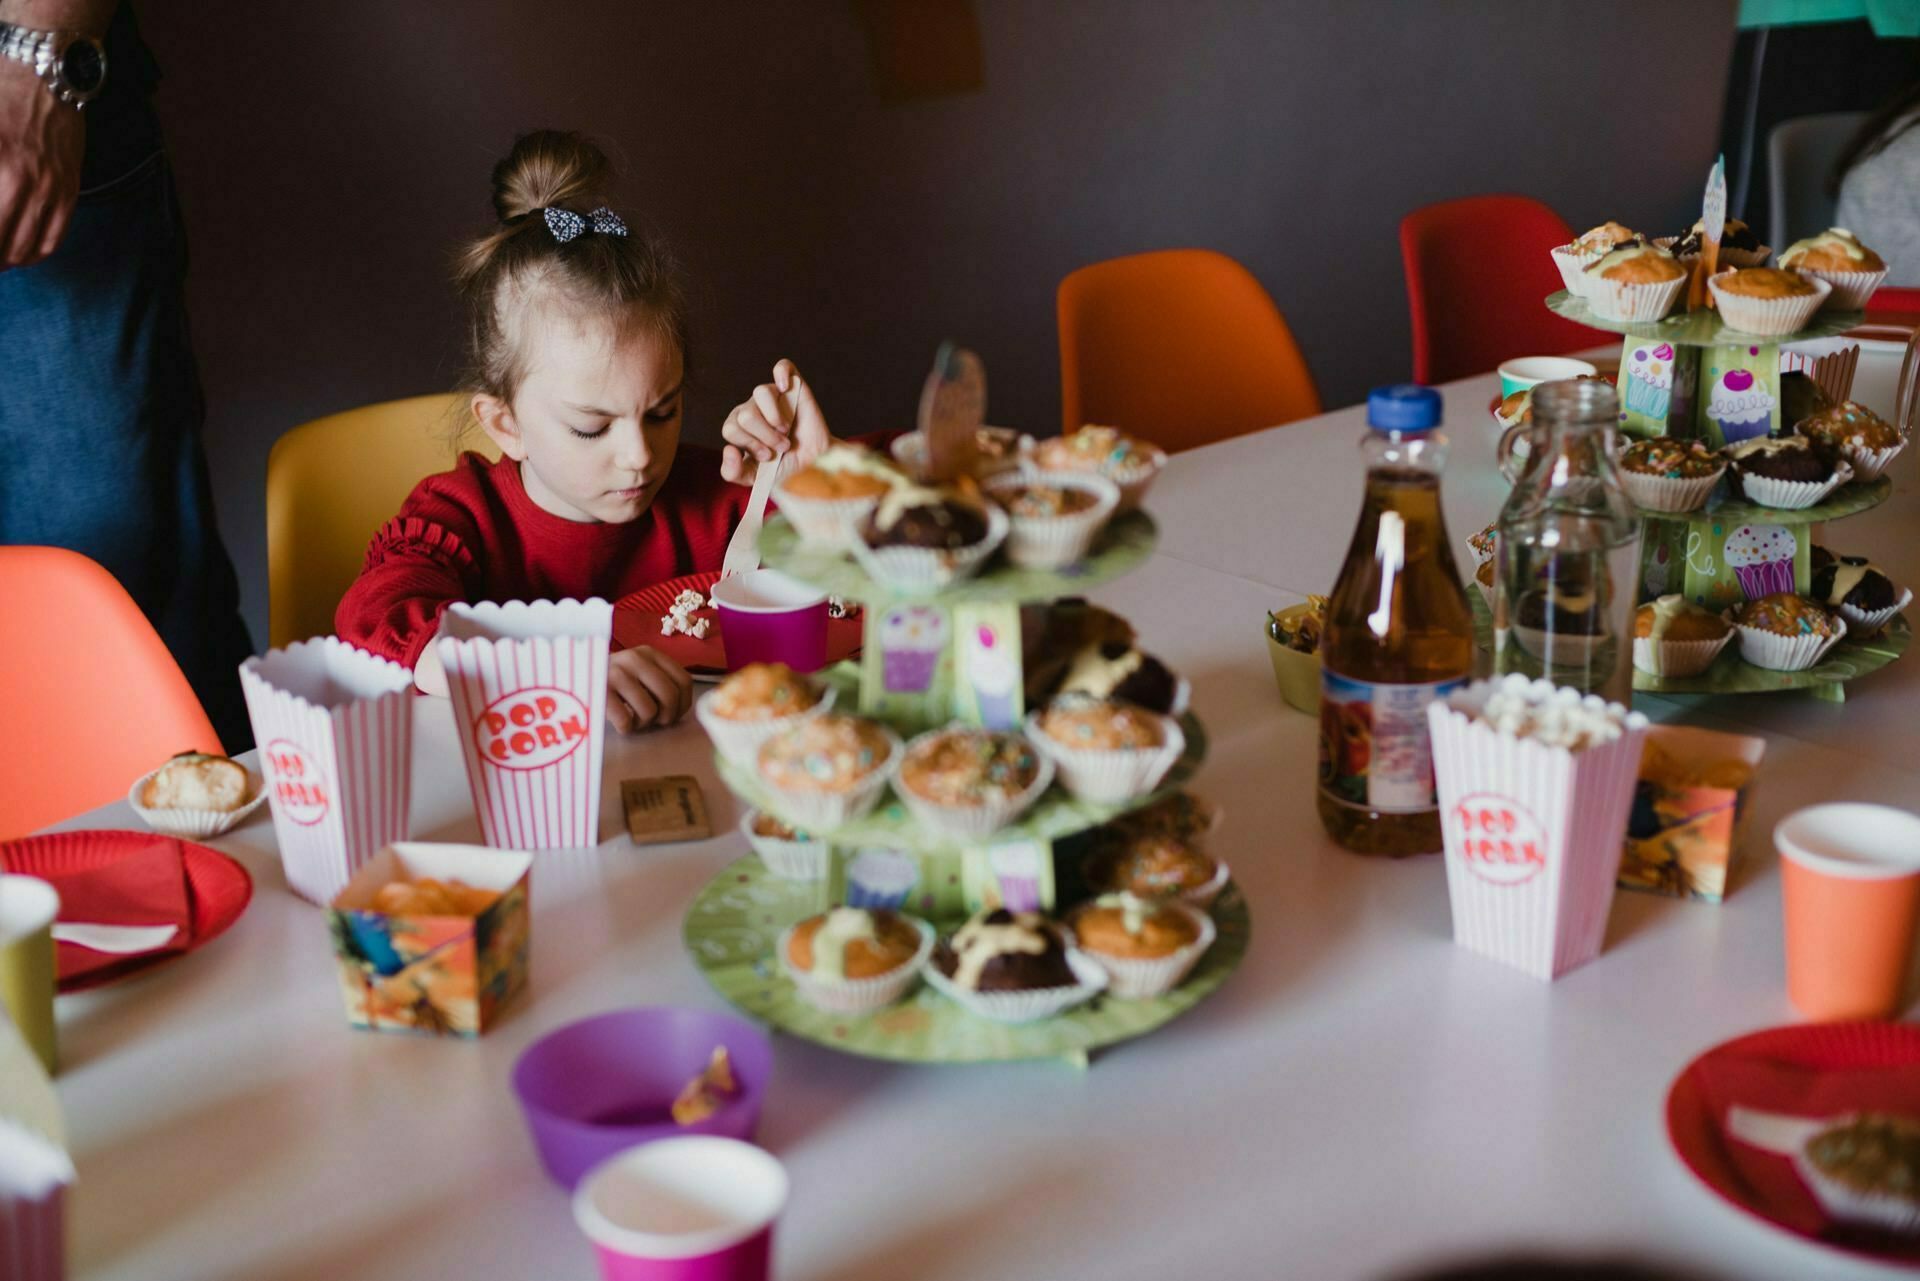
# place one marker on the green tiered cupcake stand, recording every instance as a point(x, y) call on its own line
point(1718, 384)
point(928, 661)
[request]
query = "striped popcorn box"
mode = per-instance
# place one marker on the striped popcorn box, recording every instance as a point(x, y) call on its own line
point(1533, 829)
point(529, 687)
point(34, 1175)
point(335, 729)
point(1830, 362)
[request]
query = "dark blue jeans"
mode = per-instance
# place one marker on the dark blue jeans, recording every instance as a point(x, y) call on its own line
point(100, 415)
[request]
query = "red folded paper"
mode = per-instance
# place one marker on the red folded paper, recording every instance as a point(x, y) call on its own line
point(110, 878)
point(1816, 1071)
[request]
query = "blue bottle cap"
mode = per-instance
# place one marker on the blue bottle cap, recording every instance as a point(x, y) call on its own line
point(1403, 407)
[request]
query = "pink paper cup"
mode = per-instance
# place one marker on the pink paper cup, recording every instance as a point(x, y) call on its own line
point(692, 1209)
point(767, 617)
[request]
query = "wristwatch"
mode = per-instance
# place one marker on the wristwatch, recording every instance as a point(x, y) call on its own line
point(72, 66)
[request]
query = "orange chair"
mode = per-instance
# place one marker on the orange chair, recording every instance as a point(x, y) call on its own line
point(1478, 274)
point(91, 698)
point(1181, 346)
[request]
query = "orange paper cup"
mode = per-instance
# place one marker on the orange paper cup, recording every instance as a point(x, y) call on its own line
point(1850, 886)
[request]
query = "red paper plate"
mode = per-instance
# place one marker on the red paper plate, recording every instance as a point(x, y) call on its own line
point(1811, 1069)
point(218, 889)
point(636, 621)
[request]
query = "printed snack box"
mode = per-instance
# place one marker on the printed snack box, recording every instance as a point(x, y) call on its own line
point(450, 974)
point(1690, 807)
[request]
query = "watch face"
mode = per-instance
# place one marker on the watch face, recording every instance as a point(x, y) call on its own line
point(83, 66)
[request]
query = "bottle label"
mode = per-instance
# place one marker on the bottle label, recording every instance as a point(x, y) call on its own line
point(1374, 749)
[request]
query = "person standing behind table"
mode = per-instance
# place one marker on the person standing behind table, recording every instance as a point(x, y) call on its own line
point(1878, 182)
point(100, 401)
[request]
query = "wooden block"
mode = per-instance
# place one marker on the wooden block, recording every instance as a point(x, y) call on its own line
point(661, 811)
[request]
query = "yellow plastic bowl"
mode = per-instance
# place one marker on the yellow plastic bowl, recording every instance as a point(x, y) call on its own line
point(1297, 674)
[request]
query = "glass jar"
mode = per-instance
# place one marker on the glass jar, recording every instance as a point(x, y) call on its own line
point(1566, 549)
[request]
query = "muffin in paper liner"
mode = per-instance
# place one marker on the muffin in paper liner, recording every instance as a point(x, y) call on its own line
point(825, 522)
point(1885, 1210)
point(1851, 289)
point(1135, 479)
point(1729, 257)
point(195, 825)
point(823, 811)
point(1669, 493)
point(1869, 464)
point(1141, 979)
point(1031, 1005)
point(1863, 623)
point(973, 820)
point(1792, 495)
point(1055, 542)
point(1625, 302)
point(1110, 777)
point(857, 996)
point(1573, 264)
point(910, 451)
point(1778, 653)
point(1677, 658)
point(739, 741)
point(1202, 896)
point(1768, 317)
point(788, 860)
point(925, 569)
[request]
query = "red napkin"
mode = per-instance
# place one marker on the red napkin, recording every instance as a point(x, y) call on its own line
point(110, 878)
point(1814, 1071)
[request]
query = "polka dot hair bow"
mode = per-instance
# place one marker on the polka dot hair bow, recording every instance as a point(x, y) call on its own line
point(565, 224)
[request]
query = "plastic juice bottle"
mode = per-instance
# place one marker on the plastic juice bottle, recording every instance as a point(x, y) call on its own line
point(1398, 635)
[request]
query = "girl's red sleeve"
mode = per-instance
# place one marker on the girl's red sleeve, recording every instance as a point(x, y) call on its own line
point(420, 562)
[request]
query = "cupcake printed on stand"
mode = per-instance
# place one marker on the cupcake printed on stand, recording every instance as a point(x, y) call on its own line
point(992, 674)
point(1647, 381)
point(1761, 558)
point(1741, 402)
point(912, 639)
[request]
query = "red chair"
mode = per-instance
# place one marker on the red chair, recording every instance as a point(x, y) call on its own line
point(1181, 346)
point(1901, 299)
point(1478, 273)
point(90, 699)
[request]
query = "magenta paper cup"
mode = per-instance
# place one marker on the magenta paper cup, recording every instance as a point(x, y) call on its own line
point(688, 1209)
point(528, 680)
point(33, 1231)
point(767, 617)
point(606, 1084)
point(335, 729)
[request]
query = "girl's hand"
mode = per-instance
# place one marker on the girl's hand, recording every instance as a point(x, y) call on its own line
point(760, 430)
point(646, 689)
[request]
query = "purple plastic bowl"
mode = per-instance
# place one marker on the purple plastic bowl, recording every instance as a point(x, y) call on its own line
point(607, 1083)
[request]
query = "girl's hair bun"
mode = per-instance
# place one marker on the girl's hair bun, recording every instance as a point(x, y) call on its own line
point(549, 168)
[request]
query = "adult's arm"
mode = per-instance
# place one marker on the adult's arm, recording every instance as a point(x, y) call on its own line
point(41, 139)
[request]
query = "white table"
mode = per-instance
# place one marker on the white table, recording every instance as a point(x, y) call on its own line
point(1361, 1099)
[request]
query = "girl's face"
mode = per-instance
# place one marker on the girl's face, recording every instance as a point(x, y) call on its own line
point(596, 421)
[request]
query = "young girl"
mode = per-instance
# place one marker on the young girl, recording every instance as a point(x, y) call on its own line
point(577, 332)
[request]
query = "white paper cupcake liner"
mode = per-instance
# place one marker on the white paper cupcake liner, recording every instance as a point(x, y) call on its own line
point(1669, 493)
point(1140, 979)
point(1862, 623)
point(196, 825)
point(1792, 495)
point(1110, 777)
point(739, 741)
point(922, 569)
point(819, 812)
point(1779, 653)
point(1676, 658)
point(1530, 883)
point(1851, 289)
point(910, 451)
point(1029, 1006)
point(825, 522)
point(984, 819)
point(857, 996)
point(1728, 257)
point(1055, 542)
point(1768, 317)
point(1135, 479)
point(1869, 464)
point(1573, 264)
point(788, 860)
point(1618, 300)
point(1203, 895)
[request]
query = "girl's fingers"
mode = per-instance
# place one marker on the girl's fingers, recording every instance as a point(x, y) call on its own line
point(733, 466)
point(772, 408)
point(628, 688)
point(750, 430)
point(784, 375)
point(670, 700)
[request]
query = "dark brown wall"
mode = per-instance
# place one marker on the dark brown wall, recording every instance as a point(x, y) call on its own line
point(330, 154)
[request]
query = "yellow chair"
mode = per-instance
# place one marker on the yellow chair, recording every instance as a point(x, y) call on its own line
point(333, 482)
